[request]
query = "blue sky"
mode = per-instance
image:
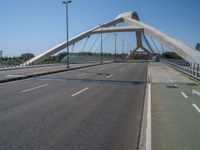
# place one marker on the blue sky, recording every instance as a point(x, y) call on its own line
point(36, 25)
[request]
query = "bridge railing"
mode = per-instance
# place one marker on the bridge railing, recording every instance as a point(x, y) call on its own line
point(191, 69)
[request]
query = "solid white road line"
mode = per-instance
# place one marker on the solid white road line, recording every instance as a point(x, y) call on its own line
point(109, 76)
point(82, 74)
point(148, 131)
point(196, 92)
point(196, 107)
point(81, 91)
point(34, 88)
point(184, 94)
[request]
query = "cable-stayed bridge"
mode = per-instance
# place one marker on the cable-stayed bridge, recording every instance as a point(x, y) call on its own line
point(106, 100)
point(133, 25)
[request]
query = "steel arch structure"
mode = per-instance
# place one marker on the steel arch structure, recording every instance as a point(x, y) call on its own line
point(133, 25)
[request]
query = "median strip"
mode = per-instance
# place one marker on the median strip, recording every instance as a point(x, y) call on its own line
point(81, 91)
point(34, 88)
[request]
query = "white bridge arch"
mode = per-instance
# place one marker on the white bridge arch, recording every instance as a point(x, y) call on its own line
point(134, 25)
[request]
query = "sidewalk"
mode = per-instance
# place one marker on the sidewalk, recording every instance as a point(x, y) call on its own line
point(19, 74)
point(175, 114)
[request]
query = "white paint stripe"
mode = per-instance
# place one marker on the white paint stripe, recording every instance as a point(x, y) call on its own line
point(196, 107)
point(148, 131)
point(34, 88)
point(122, 69)
point(101, 68)
point(184, 94)
point(109, 76)
point(82, 74)
point(14, 75)
point(79, 92)
point(196, 92)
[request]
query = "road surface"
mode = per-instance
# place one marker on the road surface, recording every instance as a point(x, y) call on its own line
point(93, 108)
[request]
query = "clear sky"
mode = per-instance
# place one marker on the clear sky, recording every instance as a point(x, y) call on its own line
point(36, 25)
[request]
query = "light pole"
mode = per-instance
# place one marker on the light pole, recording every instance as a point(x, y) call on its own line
point(128, 47)
point(101, 45)
point(66, 2)
point(115, 47)
point(123, 49)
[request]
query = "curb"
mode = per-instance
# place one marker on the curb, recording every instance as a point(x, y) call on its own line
point(47, 73)
point(143, 138)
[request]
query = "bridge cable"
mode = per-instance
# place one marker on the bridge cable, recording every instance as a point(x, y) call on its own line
point(147, 42)
point(107, 47)
point(99, 46)
point(94, 42)
point(90, 50)
point(162, 48)
point(84, 48)
point(154, 44)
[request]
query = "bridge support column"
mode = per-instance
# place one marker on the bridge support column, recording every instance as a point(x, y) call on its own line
point(139, 45)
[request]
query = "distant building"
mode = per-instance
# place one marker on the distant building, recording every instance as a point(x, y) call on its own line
point(198, 46)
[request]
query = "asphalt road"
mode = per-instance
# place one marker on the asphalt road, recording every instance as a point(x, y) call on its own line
point(97, 108)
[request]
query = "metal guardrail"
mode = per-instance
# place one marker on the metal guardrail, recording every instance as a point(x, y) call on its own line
point(190, 69)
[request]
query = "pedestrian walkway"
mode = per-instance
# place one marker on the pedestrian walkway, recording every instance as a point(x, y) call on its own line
point(175, 110)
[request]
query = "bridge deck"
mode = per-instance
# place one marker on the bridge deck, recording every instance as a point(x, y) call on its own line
point(98, 108)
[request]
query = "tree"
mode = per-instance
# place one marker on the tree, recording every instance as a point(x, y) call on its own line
point(171, 55)
point(27, 56)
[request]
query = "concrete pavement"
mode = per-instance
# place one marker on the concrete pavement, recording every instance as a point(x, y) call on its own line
point(92, 108)
point(175, 110)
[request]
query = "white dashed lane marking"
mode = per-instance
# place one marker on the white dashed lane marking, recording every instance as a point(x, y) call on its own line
point(81, 91)
point(184, 95)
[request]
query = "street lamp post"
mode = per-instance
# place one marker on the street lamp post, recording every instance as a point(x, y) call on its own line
point(123, 49)
point(101, 45)
point(128, 47)
point(66, 2)
point(115, 47)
